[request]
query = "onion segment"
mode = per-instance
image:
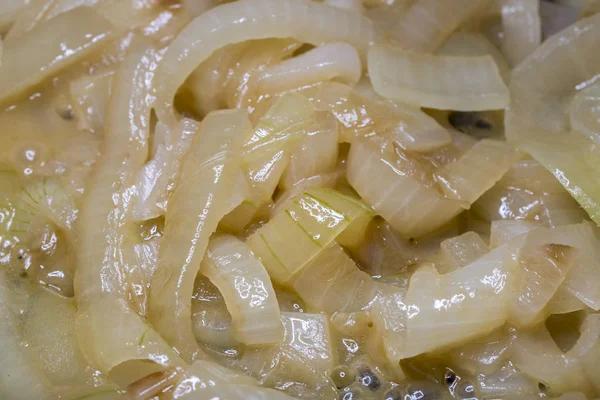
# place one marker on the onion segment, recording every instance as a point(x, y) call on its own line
point(316, 154)
point(304, 355)
point(9, 10)
point(389, 318)
point(360, 115)
point(412, 208)
point(462, 250)
point(468, 302)
point(476, 171)
point(584, 112)
point(65, 40)
point(22, 381)
point(441, 82)
point(332, 282)
point(203, 194)
point(536, 355)
point(90, 97)
point(521, 28)
point(246, 287)
point(303, 20)
point(109, 330)
point(483, 355)
point(427, 23)
point(587, 349)
point(208, 380)
point(338, 61)
point(311, 222)
point(536, 120)
point(468, 44)
point(504, 230)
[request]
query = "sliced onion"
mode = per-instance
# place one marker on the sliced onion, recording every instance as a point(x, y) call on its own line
point(67, 39)
point(462, 250)
point(505, 230)
point(204, 193)
point(537, 121)
point(317, 153)
point(90, 95)
point(389, 318)
point(476, 171)
point(537, 356)
point(447, 310)
point(23, 380)
point(311, 222)
point(410, 207)
point(362, 115)
point(303, 20)
point(8, 13)
point(507, 383)
point(584, 112)
point(247, 289)
point(349, 5)
point(338, 61)
point(587, 349)
point(425, 25)
point(447, 83)
point(467, 44)
point(332, 283)
point(522, 29)
point(208, 380)
point(305, 354)
point(483, 355)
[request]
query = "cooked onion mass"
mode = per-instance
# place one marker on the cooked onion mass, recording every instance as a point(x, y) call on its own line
point(315, 199)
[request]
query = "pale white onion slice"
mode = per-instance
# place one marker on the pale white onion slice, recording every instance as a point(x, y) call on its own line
point(584, 112)
point(410, 207)
point(448, 310)
point(587, 349)
point(442, 82)
point(536, 121)
point(339, 61)
point(425, 25)
point(467, 44)
point(303, 20)
point(521, 28)
point(204, 193)
point(507, 383)
point(483, 355)
point(317, 153)
point(462, 250)
point(246, 287)
point(477, 170)
point(66, 39)
point(304, 355)
point(23, 380)
point(537, 356)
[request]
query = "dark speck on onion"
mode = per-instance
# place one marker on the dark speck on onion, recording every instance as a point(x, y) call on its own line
point(480, 125)
point(367, 378)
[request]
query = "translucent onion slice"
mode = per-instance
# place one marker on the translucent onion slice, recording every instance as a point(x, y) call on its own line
point(584, 112)
point(246, 287)
point(483, 355)
point(303, 20)
point(521, 28)
point(338, 61)
point(67, 39)
point(208, 380)
point(446, 83)
point(468, 44)
point(505, 230)
point(410, 207)
point(507, 383)
point(204, 193)
point(389, 318)
point(317, 153)
point(587, 349)
point(349, 5)
point(23, 380)
point(462, 250)
point(450, 309)
point(537, 356)
point(155, 181)
point(332, 282)
point(305, 354)
point(537, 121)
point(477, 170)
point(8, 13)
point(425, 25)
point(90, 96)
point(361, 115)
point(311, 222)
point(109, 331)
